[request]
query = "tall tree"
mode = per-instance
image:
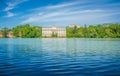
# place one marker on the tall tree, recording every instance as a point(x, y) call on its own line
point(4, 32)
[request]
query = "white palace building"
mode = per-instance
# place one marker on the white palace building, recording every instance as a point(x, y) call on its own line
point(50, 31)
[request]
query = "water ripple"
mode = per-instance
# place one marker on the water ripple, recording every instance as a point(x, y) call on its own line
point(64, 57)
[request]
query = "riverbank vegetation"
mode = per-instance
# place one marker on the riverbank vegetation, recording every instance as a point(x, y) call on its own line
point(27, 31)
point(92, 31)
point(24, 31)
point(99, 31)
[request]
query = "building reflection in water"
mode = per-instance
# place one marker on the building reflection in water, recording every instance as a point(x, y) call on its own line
point(54, 45)
point(62, 45)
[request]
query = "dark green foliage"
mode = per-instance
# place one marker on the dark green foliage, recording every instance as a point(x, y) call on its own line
point(4, 32)
point(99, 31)
point(27, 31)
point(72, 32)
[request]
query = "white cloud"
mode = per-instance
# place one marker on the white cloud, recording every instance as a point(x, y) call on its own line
point(66, 13)
point(62, 5)
point(58, 15)
point(9, 14)
point(58, 6)
point(12, 4)
point(30, 20)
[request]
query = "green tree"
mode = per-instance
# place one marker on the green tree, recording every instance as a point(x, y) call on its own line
point(72, 31)
point(28, 31)
point(4, 32)
point(92, 32)
point(54, 34)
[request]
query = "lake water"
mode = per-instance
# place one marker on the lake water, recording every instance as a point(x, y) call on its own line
point(59, 57)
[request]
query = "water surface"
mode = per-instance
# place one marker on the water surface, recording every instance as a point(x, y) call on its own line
point(59, 57)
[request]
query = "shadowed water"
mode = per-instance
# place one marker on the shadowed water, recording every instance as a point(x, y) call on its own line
point(59, 57)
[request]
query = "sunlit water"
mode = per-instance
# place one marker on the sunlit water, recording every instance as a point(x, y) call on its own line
point(59, 57)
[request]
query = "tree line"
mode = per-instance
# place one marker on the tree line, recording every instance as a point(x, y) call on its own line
point(98, 31)
point(26, 31)
point(91, 31)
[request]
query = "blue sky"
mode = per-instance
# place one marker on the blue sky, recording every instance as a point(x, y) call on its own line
point(58, 12)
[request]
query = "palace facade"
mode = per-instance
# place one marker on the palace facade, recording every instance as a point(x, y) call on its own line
point(53, 31)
